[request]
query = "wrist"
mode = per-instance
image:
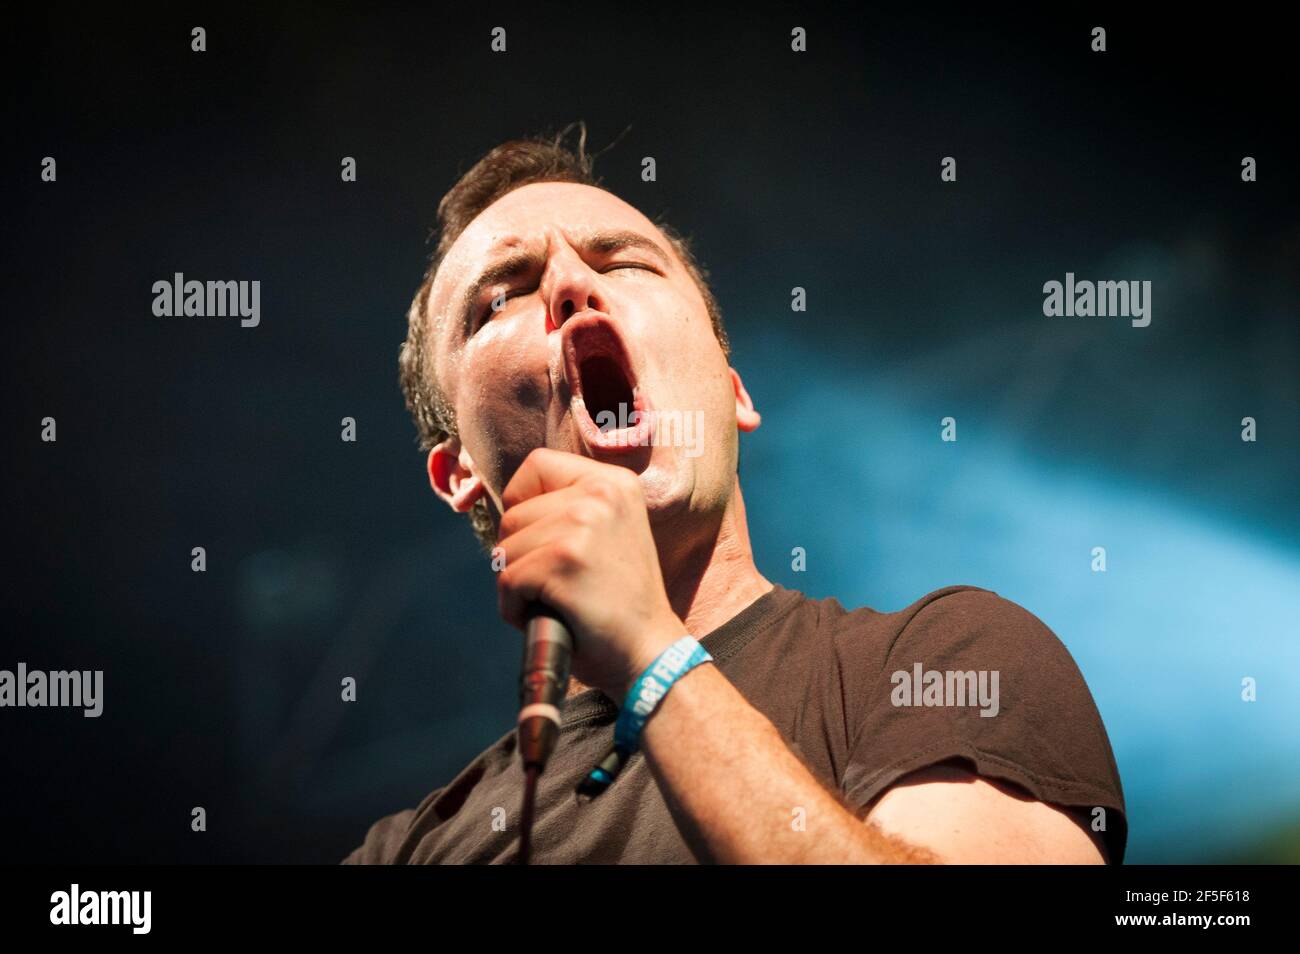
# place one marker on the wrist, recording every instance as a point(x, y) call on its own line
point(647, 652)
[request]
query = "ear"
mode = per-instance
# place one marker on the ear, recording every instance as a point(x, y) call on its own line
point(747, 419)
point(452, 475)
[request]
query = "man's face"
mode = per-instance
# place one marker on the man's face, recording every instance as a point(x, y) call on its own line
point(563, 318)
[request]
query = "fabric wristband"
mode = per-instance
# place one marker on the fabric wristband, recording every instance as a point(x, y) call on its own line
point(649, 690)
point(640, 703)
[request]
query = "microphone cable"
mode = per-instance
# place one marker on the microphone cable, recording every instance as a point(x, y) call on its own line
point(526, 815)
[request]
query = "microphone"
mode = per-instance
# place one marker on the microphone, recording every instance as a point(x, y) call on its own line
point(548, 648)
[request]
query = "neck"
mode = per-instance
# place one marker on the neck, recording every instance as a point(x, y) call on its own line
point(711, 577)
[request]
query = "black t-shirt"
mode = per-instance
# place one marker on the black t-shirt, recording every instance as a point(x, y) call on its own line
point(854, 693)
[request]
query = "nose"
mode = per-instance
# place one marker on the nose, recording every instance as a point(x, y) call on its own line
point(569, 285)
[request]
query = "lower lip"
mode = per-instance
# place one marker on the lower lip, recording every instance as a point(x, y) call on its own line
point(621, 440)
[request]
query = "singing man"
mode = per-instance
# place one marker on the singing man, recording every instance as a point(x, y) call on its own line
point(556, 346)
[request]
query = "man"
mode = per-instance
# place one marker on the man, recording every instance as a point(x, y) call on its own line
point(556, 329)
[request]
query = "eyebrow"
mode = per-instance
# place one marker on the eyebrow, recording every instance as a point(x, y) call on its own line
point(598, 243)
point(606, 243)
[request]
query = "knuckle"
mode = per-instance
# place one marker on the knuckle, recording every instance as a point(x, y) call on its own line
point(604, 487)
point(588, 513)
point(567, 553)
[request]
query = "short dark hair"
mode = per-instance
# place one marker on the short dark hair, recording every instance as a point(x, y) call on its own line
point(505, 168)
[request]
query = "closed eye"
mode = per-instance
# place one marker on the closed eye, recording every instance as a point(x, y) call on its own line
point(487, 312)
point(618, 265)
point(486, 315)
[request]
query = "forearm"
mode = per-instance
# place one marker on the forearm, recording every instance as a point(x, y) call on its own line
point(737, 792)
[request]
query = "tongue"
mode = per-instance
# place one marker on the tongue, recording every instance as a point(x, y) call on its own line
point(606, 392)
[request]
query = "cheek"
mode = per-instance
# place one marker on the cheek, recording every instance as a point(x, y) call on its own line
point(684, 349)
point(502, 400)
point(701, 371)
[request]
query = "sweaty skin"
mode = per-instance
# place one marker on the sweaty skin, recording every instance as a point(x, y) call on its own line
point(638, 546)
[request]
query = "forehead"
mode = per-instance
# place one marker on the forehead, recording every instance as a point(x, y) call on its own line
point(525, 216)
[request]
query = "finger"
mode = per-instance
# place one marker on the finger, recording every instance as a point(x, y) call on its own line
point(530, 511)
point(524, 581)
point(542, 531)
point(545, 470)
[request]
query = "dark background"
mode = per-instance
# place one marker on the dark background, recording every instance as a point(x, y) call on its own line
point(329, 559)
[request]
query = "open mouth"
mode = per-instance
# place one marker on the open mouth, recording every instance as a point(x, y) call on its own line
point(608, 406)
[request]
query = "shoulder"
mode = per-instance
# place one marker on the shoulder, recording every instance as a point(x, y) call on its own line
point(957, 631)
point(973, 607)
point(966, 628)
point(385, 837)
point(971, 621)
point(382, 839)
point(958, 619)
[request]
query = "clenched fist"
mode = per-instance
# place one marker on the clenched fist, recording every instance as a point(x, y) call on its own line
point(576, 536)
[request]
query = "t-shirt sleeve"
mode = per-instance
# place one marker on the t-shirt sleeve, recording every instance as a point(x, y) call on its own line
point(997, 689)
